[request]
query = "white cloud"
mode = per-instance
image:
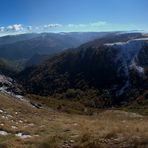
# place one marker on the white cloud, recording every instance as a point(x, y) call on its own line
point(29, 28)
point(15, 27)
point(49, 26)
point(2, 29)
point(93, 24)
point(9, 28)
point(71, 25)
point(98, 24)
point(77, 25)
point(37, 28)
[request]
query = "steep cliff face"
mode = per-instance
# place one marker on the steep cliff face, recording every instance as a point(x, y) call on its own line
point(115, 68)
point(129, 59)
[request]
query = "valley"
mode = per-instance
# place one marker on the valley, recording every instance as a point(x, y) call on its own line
point(73, 74)
point(109, 74)
point(90, 96)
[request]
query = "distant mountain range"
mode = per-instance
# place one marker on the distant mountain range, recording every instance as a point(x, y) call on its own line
point(104, 72)
point(29, 49)
point(27, 45)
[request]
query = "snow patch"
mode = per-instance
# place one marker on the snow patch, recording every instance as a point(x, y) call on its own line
point(126, 58)
point(139, 69)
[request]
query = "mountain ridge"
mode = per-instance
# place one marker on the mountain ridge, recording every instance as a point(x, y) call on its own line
point(101, 68)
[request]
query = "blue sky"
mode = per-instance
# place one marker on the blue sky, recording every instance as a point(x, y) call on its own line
point(20, 16)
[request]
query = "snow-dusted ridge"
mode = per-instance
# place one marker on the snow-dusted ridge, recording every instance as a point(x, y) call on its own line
point(126, 58)
point(133, 41)
point(128, 51)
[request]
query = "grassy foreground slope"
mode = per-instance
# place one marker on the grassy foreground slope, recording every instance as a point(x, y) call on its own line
point(23, 126)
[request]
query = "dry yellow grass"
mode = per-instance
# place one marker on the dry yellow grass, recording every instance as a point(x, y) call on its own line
point(112, 128)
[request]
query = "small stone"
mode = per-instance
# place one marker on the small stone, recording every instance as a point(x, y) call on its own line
point(20, 121)
point(1, 111)
point(14, 127)
point(71, 141)
point(31, 124)
point(9, 116)
point(75, 124)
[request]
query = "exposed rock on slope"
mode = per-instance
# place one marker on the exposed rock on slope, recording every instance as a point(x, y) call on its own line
point(9, 86)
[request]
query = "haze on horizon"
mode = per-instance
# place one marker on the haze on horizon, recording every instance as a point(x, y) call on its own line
point(24, 16)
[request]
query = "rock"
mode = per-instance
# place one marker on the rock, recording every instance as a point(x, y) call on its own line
point(23, 136)
point(71, 141)
point(4, 133)
point(13, 127)
point(31, 124)
point(20, 121)
point(75, 124)
point(9, 116)
point(10, 87)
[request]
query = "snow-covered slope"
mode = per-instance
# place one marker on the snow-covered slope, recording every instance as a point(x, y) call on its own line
point(128, 52)
point(127, 58)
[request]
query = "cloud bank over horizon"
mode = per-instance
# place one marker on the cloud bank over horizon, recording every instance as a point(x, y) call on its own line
point(97, 26)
